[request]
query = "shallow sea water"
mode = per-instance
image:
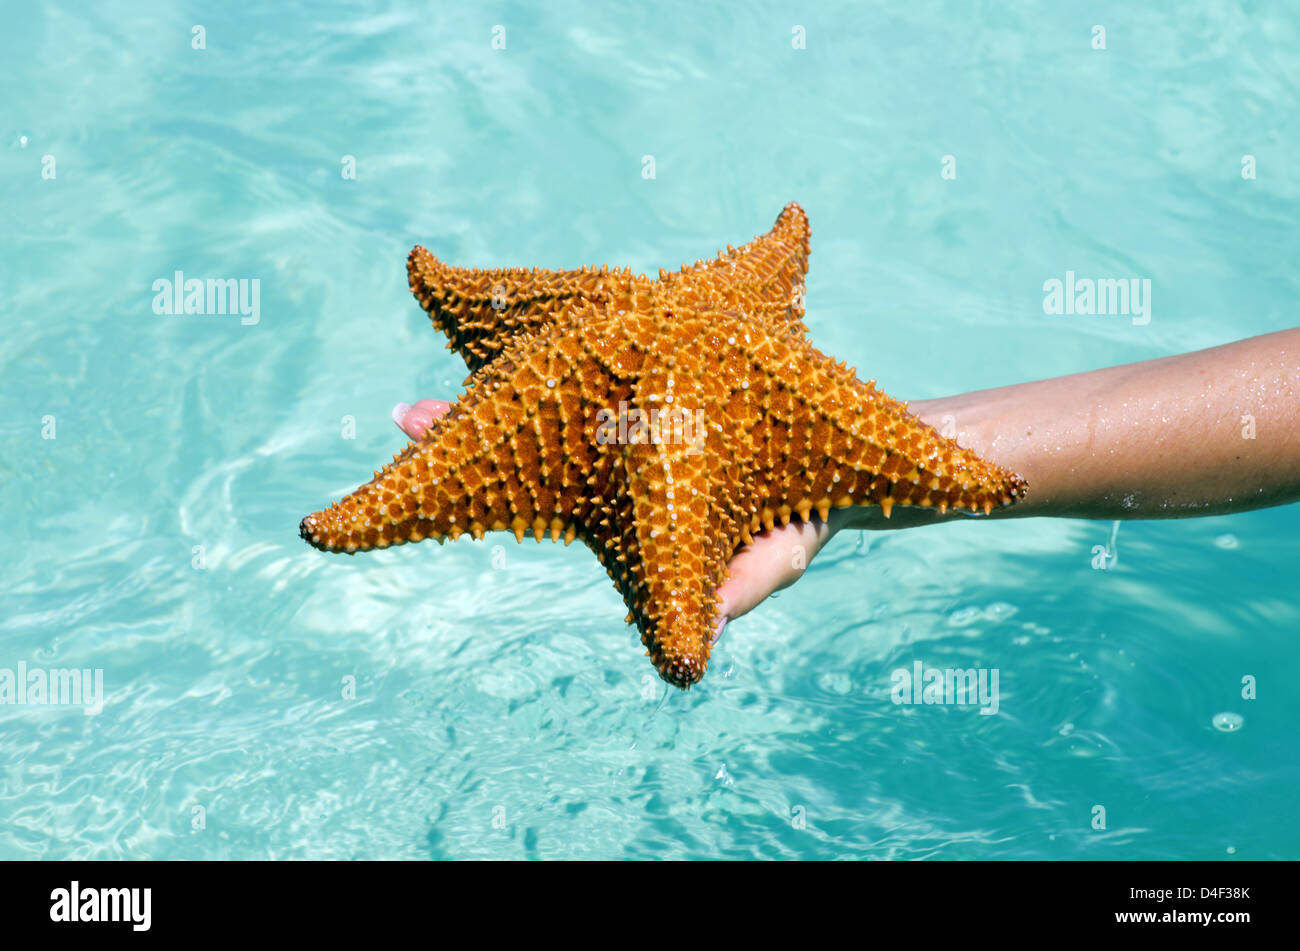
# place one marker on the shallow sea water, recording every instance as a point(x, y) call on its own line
point(501, 708)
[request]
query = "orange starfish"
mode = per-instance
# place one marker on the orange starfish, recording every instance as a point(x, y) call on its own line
point(662, 422)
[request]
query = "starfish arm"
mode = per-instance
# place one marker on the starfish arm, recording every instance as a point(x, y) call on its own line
point(764, 278)
point(514, 453)
point(677, 525)
point(682, 544)
point(829, 440)
point(482, 310)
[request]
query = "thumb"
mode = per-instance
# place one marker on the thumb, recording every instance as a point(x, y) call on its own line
point(414, 420)
point(775, 560)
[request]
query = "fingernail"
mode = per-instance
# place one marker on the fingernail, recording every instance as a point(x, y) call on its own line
point(717, 630)
point(400, 411)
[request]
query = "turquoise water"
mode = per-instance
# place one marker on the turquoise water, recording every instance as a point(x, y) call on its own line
point(262, 699)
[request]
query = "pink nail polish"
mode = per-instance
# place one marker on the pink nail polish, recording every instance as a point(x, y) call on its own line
point(400, 411)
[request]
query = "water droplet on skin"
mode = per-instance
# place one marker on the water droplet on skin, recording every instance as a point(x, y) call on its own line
point(1228, 722)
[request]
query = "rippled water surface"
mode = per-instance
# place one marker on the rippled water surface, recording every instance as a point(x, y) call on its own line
point(485, 699)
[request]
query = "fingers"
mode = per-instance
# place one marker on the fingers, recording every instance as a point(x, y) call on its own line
point(414, 420)
point(775, 560)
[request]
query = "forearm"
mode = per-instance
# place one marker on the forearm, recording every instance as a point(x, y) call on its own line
point(1202, 433)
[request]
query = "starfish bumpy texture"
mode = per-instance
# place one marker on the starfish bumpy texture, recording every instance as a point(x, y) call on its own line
point(662, 422)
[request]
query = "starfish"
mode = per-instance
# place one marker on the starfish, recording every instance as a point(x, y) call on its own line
point(662, 422)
